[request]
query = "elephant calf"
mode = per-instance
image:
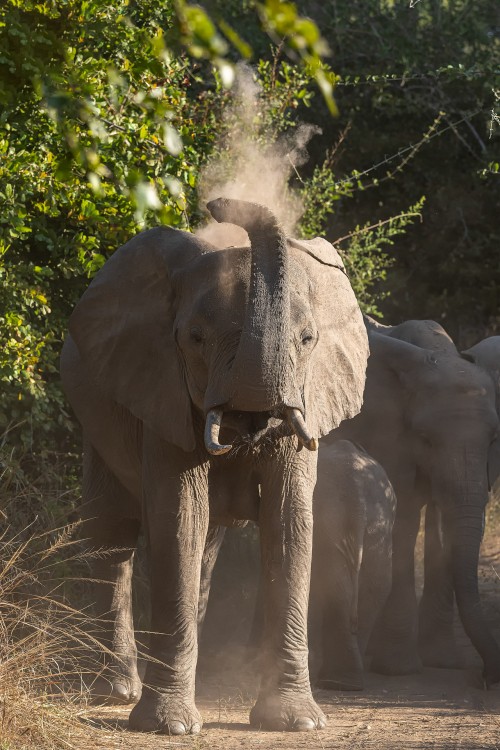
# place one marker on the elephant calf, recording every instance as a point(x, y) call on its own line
point(354, 510)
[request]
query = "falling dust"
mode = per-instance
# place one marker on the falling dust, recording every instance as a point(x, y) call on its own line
point(251, 164)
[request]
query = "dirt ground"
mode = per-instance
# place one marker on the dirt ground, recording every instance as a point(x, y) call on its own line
point(440, 709)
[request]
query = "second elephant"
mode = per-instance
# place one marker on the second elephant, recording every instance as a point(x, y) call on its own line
point(430, 418)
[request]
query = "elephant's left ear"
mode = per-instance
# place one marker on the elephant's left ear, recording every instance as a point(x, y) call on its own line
point(123, 327)
point(336, 377)
point(486, 354)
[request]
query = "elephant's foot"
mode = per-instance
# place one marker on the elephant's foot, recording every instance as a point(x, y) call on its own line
point(328, 680)
point(342, 669)
point(396, 660)
point(287, 711)
point(491, 676)
point(166, 714)
point(440, 652)
point(489, 685)
point(117, 686)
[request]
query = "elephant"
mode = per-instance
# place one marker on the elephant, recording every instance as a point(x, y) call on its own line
point(430, 417)
point(354, 507)
point(203, 379)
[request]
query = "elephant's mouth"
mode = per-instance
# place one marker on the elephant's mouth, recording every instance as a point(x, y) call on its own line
point(225, 430)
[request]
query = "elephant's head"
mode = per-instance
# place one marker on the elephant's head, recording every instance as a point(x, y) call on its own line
point(248, 339)
point(447, 408)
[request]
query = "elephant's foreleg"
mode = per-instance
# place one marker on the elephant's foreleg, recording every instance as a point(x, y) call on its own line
point(285, 700)
point(436, 637)
point(394, 641)
point(110, 541)
point(176, 521)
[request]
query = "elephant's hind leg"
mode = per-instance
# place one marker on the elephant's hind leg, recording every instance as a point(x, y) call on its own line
point(342, 664)
point(436, 638)
point(394, 640)
point(111, 540)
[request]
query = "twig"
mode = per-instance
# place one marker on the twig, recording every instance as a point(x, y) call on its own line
point(380, 223)
point(332, 152)
point(411, 149)
point(463, 141)
point(476, 135)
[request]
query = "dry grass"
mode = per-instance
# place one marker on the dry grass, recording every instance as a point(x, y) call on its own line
point(43, 640)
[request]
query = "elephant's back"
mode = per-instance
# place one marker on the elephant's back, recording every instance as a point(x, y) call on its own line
point(428, 334)
point(350, 481)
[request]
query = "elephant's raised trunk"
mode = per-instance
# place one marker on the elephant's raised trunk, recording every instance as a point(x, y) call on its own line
point(261, 377)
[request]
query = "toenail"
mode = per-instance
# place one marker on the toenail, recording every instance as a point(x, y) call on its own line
point(176, 727)
point(303, 725)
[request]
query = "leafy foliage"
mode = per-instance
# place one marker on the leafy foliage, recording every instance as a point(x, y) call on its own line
point(81, 171)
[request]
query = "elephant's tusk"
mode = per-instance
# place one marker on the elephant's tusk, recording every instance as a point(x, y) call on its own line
point(212, 429)
point(297, 423)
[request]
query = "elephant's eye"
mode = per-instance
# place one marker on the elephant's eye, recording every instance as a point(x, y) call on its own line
point(196, 335)
point(307, 337)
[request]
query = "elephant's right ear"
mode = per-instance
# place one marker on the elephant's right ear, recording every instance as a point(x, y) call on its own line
point(123, 328)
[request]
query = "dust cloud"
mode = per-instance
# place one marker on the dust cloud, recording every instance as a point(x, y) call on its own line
point(248, 164)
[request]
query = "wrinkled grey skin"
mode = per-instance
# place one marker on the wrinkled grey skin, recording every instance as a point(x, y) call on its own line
point(354, 508)
point(430, 418)
point(172, 336)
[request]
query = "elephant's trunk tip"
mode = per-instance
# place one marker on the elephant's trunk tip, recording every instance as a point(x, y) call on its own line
point(251, 216)
point(297, 423)
point(212, 430)
point(218, 208)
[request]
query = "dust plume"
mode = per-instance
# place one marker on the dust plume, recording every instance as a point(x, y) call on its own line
point(249, 164)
